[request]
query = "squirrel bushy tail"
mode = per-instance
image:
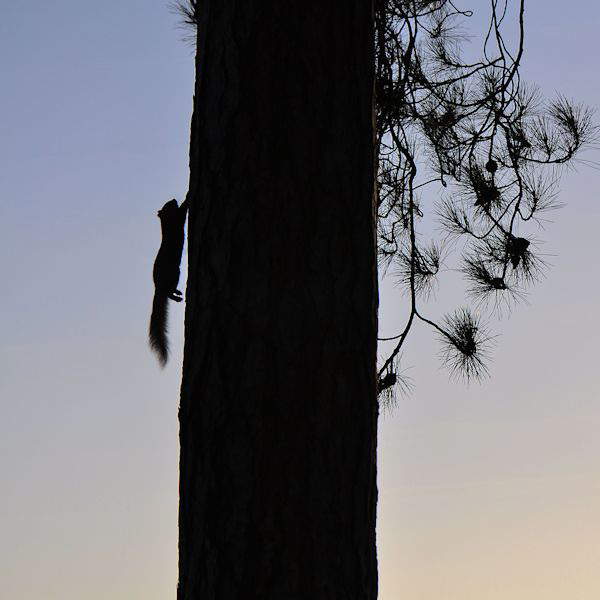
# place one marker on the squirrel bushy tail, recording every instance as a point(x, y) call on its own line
point(158, 328)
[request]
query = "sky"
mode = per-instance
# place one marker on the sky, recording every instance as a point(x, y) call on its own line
point(485, 491)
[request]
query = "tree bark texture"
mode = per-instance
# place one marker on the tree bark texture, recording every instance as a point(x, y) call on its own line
point(278, 416)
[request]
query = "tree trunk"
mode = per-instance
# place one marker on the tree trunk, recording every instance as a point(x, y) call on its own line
point(278, 404)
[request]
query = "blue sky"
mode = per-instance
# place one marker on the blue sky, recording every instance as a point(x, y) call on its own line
point(487, 491)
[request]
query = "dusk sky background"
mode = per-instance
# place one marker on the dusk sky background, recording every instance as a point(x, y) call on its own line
point(488, 491)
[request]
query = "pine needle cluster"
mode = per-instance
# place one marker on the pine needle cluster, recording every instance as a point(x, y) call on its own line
point(487, 147)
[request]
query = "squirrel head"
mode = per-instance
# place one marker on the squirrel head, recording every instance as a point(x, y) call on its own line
point(170, 208)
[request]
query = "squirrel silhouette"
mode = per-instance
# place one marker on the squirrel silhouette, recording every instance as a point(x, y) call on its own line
point(166, 275)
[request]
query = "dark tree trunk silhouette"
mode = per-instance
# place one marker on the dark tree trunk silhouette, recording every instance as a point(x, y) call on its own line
point(278, 408)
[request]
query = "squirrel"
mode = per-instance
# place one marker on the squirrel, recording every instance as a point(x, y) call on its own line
point(166, 275)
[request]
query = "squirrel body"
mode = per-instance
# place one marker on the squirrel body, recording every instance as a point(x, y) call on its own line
point(166, 275)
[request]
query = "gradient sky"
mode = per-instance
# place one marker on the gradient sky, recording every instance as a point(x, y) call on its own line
point(489, 492)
